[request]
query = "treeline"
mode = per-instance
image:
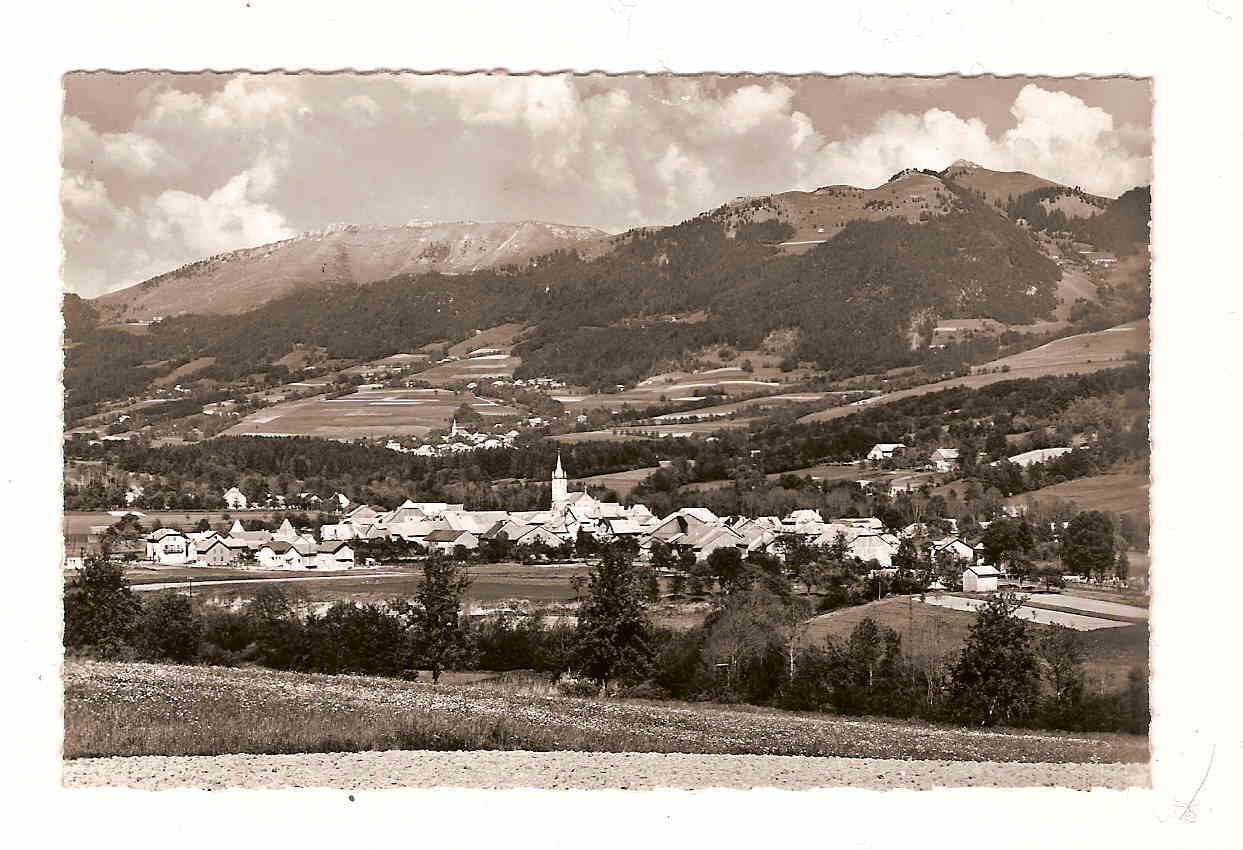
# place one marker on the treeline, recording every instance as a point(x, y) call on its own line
point(751, 648)
point(290, 466)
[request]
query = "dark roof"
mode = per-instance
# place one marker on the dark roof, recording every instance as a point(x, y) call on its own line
point(445, 535)
point(333, 545)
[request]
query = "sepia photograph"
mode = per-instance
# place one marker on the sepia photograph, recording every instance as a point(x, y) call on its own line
point(605, 431)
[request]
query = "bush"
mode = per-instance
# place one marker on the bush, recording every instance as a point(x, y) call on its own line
point(101, 612)
point(571, 686)
point(168, 630)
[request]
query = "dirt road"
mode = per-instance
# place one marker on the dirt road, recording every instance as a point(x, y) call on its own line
point(420, 769)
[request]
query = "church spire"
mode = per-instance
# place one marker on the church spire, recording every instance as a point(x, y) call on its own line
point(560, 489)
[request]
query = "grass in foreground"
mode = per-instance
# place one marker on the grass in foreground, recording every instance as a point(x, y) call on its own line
point(121, 709)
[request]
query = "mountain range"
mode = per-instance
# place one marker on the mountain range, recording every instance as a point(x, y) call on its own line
point(340, 254)
point(853, 280)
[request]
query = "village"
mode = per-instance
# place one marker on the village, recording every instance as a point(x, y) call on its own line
point(690, 534)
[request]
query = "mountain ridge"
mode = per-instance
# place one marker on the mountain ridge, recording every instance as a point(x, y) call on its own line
point(342, 253)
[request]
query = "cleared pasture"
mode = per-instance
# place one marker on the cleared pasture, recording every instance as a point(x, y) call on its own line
point(653, 432)
point(1070, 355)
point(81, 522)
point(1119, 492)
point(932, 631)
point(367, 413)
point(619, 482)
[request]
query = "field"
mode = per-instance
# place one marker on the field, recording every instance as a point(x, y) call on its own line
point(1077, 354)
point(501, 336)
point(1119, 492)
point(486, 368)
point(81, 522)
point(119, 709)
point(637, 432)
point(491, 583)
point(683, 386)
point(928, 630)
point(619, 482)
point(836, 472)
point(367, 413)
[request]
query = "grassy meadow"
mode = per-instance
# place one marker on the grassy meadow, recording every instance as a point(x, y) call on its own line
point(128, 709)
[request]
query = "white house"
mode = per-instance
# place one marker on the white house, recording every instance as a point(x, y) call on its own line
point(945, 460)
point(954, 547)
point(169, 547)
point(884, 451)
point(334, 555)
point(235, 499)
point(980, 578)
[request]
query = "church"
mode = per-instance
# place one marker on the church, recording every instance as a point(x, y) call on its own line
point(583, 510)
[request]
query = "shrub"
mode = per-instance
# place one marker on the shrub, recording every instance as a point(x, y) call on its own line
point(101, 612)
point(168, 629)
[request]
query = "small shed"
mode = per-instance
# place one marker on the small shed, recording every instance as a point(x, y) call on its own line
point(980, 578)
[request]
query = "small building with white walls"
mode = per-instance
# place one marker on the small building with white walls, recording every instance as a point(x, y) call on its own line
point(980, 578)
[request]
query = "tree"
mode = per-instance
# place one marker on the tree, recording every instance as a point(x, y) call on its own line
point(613, 638)
point(742, 631)
point(725, 565)
point(1061, 652)
point(441, 640)
point(101, 611)
point(1008, 540)
point(1088, 545)
point(168, 629)
point(996, 679)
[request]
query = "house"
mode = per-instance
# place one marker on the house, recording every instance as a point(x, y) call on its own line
point(252, 539)
point(682, 522)
point(954, 548)
point(168, 547)
point(286, 532)
point(536, 535)
point(706, 539)
point(980, 578)
point(218, 552)
point(872, 546)
point(945, 460)
point(334, 555)
point(886, 451)
point(283, 555)
point(447, 539)
point(235, 499)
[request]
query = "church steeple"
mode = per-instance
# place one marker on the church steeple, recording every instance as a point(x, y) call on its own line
point(560, 488)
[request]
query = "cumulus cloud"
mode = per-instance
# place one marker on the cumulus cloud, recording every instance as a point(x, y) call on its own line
point(259, 157)
point(1056, 136)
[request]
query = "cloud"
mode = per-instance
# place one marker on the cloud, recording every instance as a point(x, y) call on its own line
point(263, 156)
point(132, 154)
point(1056, 136)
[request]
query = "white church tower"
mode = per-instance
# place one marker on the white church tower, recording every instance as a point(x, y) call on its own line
point(560, 489)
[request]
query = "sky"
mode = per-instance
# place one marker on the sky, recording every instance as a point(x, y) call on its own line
point(162, 169)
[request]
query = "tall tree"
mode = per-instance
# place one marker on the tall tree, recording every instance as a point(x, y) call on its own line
point(997, 677)
point(1088, 545)
point(440, 637)
point(613, 638)
point(1008, 540)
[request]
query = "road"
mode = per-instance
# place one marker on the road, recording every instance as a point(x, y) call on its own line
point(1078, 622)
point(188, 583)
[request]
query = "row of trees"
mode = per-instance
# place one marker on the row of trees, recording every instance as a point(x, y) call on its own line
point(751, 647)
